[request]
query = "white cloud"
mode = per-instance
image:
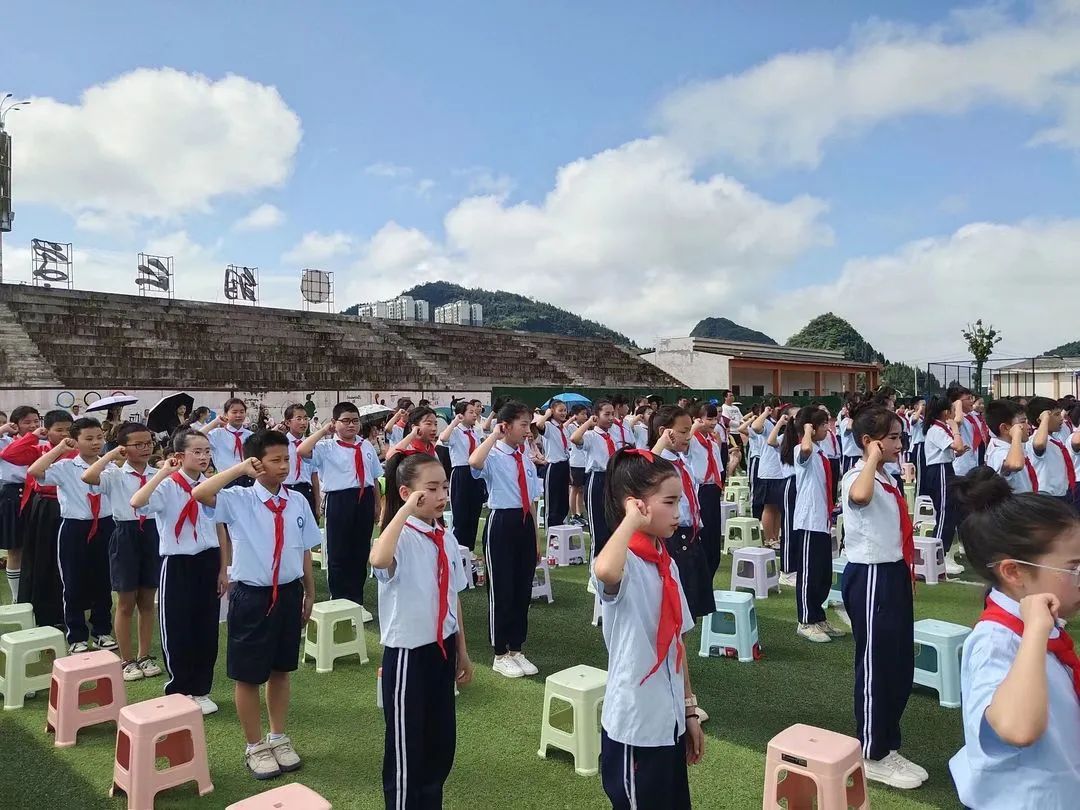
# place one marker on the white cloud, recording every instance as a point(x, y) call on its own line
point(153, 143)
point(482, 180)
point(315, 249)
point(912, 303)
point(387, 170)
point(784, 112)
point(261, 218)
point(424, 187)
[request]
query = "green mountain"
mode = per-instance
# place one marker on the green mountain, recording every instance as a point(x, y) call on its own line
point(726, 329)
point(1071, 349)
point(503, 310)
point(831, 332)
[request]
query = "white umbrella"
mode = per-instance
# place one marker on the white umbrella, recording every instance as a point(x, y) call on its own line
point(372, 410)
point(110, 402)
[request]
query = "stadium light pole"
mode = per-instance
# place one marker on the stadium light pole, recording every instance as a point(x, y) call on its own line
point(6, 224)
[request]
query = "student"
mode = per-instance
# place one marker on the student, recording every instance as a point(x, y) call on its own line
point(753, 443)
point(849, 447)
point(83, 541)
point(1072, 444)
point(877, 591)
point(349, 470)
point(1006, 452)
point(769, 496)
point(789, 492)
point(423, 426)
point(916, 417)
point(708, 464)
point(272, 589)
point(556, 447)
point(134, 553)
point(395, 426)
point(1049, 456)
point(970, 430)
point(672, 431)
point(831, 448)
point(622, 430)
point(420, 576)
point(810, 546)
point(641, 426)
point(944, 442)
point(510, 536)
point(579, 415)
point(466, 493)
point(1019, 673)
point(199, 418)
point(24, 420)
point(192, 578)
point(227, 435)
point(302, 478)
point(39, 512)
point(596, 438)
point(650, 728)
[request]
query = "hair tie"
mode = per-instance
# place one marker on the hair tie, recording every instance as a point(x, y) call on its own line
point(645, 454)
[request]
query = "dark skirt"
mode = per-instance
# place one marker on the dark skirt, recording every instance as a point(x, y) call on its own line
point(689, 554)
point(11, 529)
point(39, 583)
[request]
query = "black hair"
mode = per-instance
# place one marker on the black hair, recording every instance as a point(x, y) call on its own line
point(181, 437)
point(555, 403)
point(233, 401)
point(1001, 413)
point(290, 410)
point(461, 406)
point(56, 417)
point(257, 444)
point(401, 471)
point(578, 408)
point(641, 410)
point(403, 404)
point(664, 418)
point(883, 395)
point(1074, 414)
point(20, 412)
point(424, 403)
point(418, 413)
point(128, 428)
point(934, 408)
point(343, 408)
point(599, 405)
point(1001, 525)
point(81, 424)
point(512, 410)
point(632, 475)
point(956, 391)
point(619, 399)
point(793, 430)
point(1035, 407)
point(200, 412)
point(875, 421)
point(655, 399)
point(771, 401)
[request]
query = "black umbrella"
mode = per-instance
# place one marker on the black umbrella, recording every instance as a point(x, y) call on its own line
point(163, 418)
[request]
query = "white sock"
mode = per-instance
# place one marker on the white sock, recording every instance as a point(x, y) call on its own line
point(13, 582)
point(272, 737)
point(251, 746)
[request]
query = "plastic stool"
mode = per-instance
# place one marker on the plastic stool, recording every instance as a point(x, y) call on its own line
point(755, 568)
point(467, 565)
point(583, 688)
point(286, 797)
point(24, 669)
point(938, 647)
point(836, 596)
point(727, 512)
point(325, 648)
point(811, 767)
point(924, 510)
point(65, 715)
point(739, 481)
point(929, 560)
point(742, 532)
point(541, 585)
point(561, 546)
point(732, 630)
point(19, 616)
point(170, 726)
point(317, 557)
point(925, 529)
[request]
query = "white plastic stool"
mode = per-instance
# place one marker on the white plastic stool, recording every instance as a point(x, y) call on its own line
point(325, 649)
point(938, 647)
point(467, 565)
point(756, 569)
point(836, 596)
point(561, 545)
point(929, 560)
point(23, 651)
point(732, 631)
point(727, 512)
point(582, 687)
point(924, 510)
point(19, 616)
point(317, 557)
point(742, 532)
point(739, 481)
point(541, 585)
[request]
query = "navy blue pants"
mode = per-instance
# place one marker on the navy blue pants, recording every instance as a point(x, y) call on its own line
point(466, 504)
point(711, 534)
point(556, 493)
point(936, 483)
point(84, 577)
point(350, 520)
point(757, 488)
point(878, 600)
point(594, 504)
point(188, 611)
point(306, 490)
point(787, 525)
point(510, 552)
point(812, 555)
point(847, 462)
point(642, 777)
point(918, 458)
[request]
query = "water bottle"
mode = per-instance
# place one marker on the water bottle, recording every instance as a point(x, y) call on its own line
point(378, 687)
point(481, 573)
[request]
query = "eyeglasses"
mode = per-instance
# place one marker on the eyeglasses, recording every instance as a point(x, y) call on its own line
point(1073, 572)
point(349, 421)
point(202, 452)
point(141, 445)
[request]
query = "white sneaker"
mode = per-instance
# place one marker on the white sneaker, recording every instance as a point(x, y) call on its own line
point(952, 567)
point(910, 766)
point(841, 613)
point(105, 642)
point(890, 772)
point(524, 664)
point(506, 666)
point(132, 671)
point(78, 647)
point(149, 666)
point(812, 632)
point(830, 631)
point(788, 580)
point(205, 703)
point(366, 615)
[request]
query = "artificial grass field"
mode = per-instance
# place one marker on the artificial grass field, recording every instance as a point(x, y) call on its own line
point(338, 730)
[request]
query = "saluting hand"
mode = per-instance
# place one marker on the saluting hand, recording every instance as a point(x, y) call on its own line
point(636, 514)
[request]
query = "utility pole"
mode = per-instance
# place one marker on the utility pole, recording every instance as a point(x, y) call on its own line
point(7, 216)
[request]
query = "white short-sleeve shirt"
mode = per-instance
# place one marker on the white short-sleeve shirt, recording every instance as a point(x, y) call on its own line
point(686, 515)
point(1050, 468)
point(811, 496)
point(578, 456)
point(938, 447)
point(66, 475)
point(641, 436)
point(166, 503)
point(996, 453)
point(223, 448)
point(770, 466)
point(596, 449)
point(969, 460)
point(500, 473)
point(622, 433)
point(460, 449)
point(872, 533)
point(554, 443)
point(848, 445)
point(699, 458)
point(306, 468)
point(336, 465)
point(119, 484)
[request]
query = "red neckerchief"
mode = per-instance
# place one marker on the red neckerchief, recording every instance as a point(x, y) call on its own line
point(358, 463)
point(296, 449)
point(562, 435)
point(711, 471)
point(237, 442)
point(608, 441)
point(835, 447)
point(23, 452)
point(907, 531)
point(442, 574)
point(142, 483)
point(688, 493)
point(1032, 477)
point(279, 539)
point(1061, 647)
point(646, 549)
point(190, 510)
point(418, 446)
point(829, 487)
point(976, 430)
point(622, 431)
point(472, 439)
point(94, 499)
point(944, 427)
point(1069, 470)
point(522, 480)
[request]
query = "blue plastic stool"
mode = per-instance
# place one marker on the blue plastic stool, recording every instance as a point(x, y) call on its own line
point(835, 596)
point(732, 630)
point(938, 646)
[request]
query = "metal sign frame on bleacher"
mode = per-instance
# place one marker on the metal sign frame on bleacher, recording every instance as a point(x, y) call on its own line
point(155, 275)
point(316, 289)
point(51, 263)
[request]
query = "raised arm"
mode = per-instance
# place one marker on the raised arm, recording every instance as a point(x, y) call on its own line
point(480, 454)
point(38, 468)
point(93, 473)
point(307, 446)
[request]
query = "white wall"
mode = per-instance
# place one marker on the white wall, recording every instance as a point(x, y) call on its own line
point(693, 369)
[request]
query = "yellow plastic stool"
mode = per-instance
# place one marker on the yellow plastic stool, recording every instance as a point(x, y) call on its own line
point(326, 648)
point(19, 616)
point(582, 687)
point(26, 668)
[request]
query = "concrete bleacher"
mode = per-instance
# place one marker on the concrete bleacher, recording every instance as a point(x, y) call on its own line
point(82, 339)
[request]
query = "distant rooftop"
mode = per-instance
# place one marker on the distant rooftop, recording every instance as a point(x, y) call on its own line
point(767, 351)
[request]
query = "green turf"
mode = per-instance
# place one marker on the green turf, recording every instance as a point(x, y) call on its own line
point(338, 729)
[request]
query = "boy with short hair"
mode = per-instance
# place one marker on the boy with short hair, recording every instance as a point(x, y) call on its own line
point(272, 532)
point(227, 435)
point(134, 556)
point(1049, 455)
point(24, 420)
point(579, 415)
point(83, 541)
point(1006, 453)
point(191, 583)
point(466, 493)
point(301, 478)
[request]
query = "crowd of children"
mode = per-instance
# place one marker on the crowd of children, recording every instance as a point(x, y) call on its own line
point(79, 521)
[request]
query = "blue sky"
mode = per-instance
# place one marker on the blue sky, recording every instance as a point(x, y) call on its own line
point(426, 142)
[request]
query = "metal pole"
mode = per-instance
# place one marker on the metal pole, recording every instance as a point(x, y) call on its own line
point(1, 257)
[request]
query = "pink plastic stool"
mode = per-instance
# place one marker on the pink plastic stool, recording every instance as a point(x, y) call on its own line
point(170, 726)
point(286, 797)
point(814, 768)
point(65, 715)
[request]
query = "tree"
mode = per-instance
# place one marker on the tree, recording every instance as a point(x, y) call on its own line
point(909, 380)
point(981, 341)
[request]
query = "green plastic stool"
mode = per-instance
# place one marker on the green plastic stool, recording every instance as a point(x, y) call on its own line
point(25, 667)
point(582, 687)
point(19, 616)
point(742, 532)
